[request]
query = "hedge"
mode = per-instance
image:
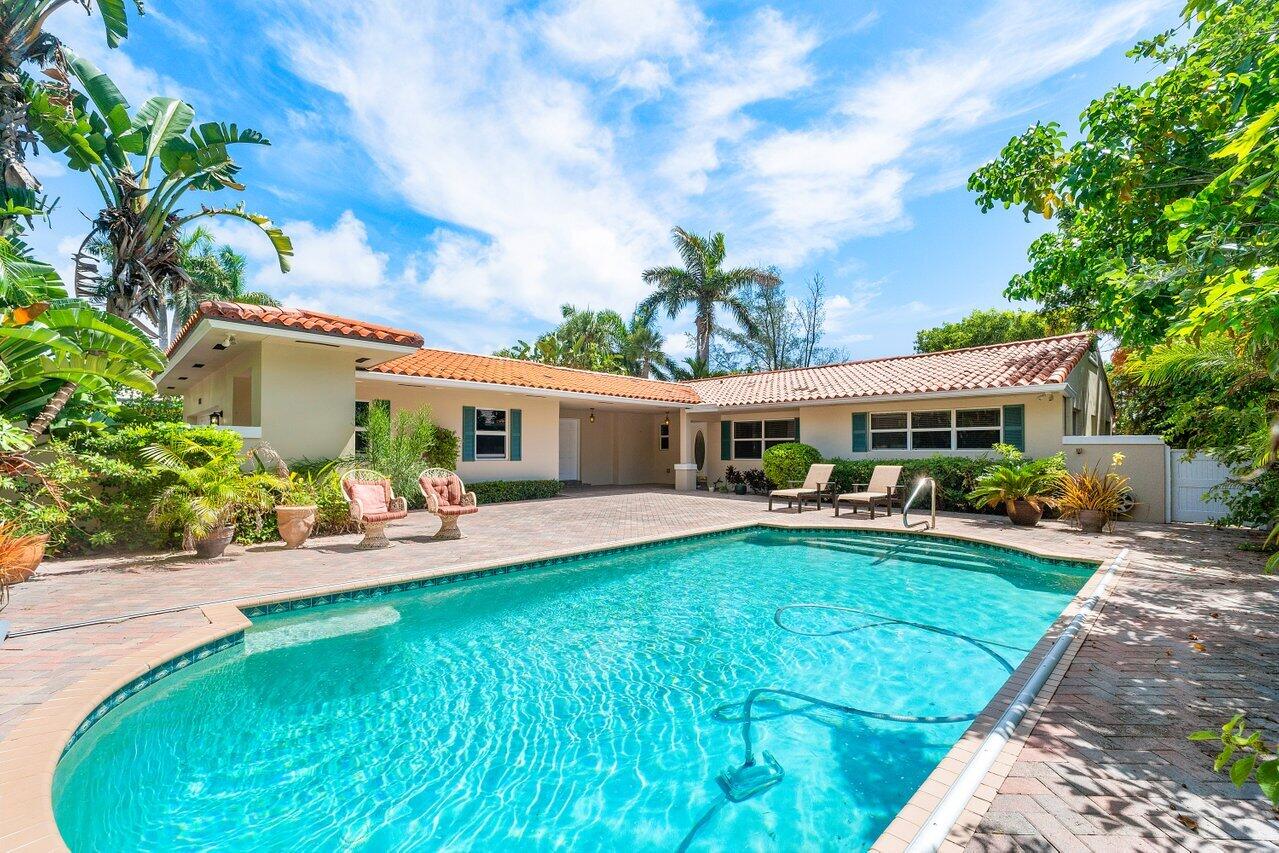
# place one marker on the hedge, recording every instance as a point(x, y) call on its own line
point(955, 476)
point(502, 491)
point(784, 463)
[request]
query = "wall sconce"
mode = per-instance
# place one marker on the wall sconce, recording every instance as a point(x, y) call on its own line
point(592, 418)
point(667, 420)
point(215, 418)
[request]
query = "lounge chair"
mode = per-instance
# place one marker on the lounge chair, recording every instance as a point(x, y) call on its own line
point(372, 504)
point(813, 485)
point(881, 489)
point(447, 499)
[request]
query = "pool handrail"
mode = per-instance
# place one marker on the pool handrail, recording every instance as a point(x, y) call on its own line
point(931, 523)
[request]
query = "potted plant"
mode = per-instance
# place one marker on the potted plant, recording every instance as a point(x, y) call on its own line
point(1093, 497)
point(757, 481)
point(736, 479)
point(1023, 487)
point(295, 513)
point(21, 552)
point(207, 491)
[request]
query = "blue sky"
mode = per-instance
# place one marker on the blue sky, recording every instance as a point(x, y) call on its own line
point(464, 168)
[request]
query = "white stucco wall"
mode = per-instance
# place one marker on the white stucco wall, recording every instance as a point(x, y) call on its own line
point(307, 399)
point(539, 424)
point(622, 448)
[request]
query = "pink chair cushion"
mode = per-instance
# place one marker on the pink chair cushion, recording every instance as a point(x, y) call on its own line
point(458, 510)
point(390, 515)
point(448, 490)
point(372, 496)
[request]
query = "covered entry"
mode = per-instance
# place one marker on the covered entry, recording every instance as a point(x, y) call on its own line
point(618, 445)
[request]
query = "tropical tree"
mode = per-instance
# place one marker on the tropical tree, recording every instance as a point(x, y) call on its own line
point(52, 346)
point(642, 343)
point(143, 164)
point(215, 272)
point(23, 41)
point(703, 283)
point(586, 339)
point(994, 326)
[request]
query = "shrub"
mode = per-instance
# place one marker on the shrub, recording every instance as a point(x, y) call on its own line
point(791, 461)
point(502, 491)
point(402, 447)
point(955, 476)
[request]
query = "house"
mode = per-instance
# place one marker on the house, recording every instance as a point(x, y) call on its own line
point(301, 379)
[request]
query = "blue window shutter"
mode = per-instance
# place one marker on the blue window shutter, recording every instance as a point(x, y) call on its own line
point(468, 433)
point(515, 435)
point(861, 439)
point(797, 429)
point(726, 440)
point(1015, 426)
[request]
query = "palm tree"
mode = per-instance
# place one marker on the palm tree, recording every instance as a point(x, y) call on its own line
point(215, 272)
point(22, 41)
point(143, 166)
point(703, 283)
point(641, 347)
point(691, 367)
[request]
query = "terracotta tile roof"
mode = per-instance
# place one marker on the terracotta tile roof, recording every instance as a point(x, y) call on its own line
point(463, 367)
point(296, 319)
point(1045, 361)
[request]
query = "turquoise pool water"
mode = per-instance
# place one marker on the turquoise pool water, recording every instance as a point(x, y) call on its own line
point(585, 705)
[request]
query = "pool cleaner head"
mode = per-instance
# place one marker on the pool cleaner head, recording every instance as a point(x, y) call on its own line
point(749, 780)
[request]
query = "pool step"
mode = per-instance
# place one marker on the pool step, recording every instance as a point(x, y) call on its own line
point(944, 557)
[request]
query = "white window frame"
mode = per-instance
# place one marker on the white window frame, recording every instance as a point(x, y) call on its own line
point(505, 433)
point(953, 430)
point(954, 439)
point(870, 427)
point(949, 430)
point(764, 443)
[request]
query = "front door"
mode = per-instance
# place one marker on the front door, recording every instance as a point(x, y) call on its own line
point(570, 449)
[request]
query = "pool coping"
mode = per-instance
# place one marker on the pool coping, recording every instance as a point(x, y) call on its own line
point(30, 753)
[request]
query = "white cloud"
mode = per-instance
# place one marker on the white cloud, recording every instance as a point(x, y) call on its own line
point(610, 34)
point(334, 268)
point(846, 175)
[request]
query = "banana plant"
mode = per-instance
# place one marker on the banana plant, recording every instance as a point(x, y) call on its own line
point(143, 164)
point(24, 41)
point(52, 347)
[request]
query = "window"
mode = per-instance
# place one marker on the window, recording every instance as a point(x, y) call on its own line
point(977, 429)
point(888, 431)
point(490, 433)
point(752, 438)
point(930, 430)
point(362, 422)
point(664, 437)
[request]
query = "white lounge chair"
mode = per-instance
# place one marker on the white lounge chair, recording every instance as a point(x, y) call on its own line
point(881, 489)
point(813, 485)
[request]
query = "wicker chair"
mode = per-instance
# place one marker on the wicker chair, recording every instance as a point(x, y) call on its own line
point(372, 504)
point(447, 499)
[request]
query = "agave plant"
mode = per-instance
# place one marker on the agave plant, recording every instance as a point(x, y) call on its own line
point(143, 164)
point(208, 489)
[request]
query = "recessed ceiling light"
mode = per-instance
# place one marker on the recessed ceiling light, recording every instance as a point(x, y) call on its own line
point(169, 387)
point(180, 378)
point(361, 360)
point(197, 365)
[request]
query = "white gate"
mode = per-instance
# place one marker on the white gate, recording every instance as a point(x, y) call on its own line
point(1190, 481)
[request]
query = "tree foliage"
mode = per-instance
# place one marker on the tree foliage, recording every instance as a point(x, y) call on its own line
point(703, 283)
point(994, 326)
point(787, 332)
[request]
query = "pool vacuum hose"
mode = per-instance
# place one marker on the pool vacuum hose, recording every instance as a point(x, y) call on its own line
point(753, 776)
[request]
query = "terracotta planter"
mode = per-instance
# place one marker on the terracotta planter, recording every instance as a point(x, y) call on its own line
point(295, 523)
point(27, 561)
point(215, 542)
point(1092, 520)
point(1024, 513)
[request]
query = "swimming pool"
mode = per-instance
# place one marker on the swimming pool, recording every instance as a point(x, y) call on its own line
point(597, 702)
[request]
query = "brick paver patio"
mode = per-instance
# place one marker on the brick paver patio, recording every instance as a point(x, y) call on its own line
point(1186, 635)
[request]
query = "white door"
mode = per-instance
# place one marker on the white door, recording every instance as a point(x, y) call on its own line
point(570, 449)
point(1191, 479)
